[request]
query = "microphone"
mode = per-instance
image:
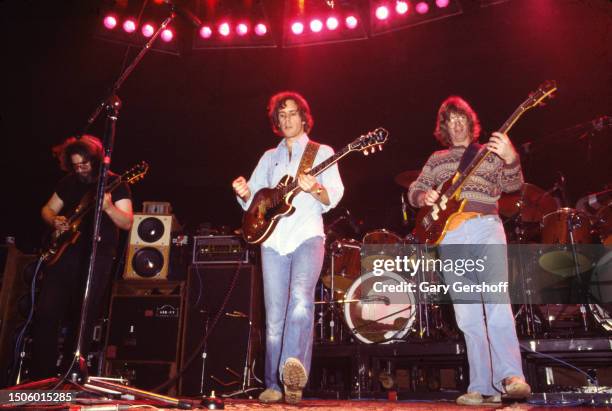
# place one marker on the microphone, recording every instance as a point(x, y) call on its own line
point(351, 222)
point(184, 13)
point(597, 200)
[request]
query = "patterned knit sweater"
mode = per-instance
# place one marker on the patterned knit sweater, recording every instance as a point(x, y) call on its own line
point(482, 189)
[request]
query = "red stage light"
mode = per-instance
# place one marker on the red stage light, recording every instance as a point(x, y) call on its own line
point(261, 29)
point(316, 25)
point(167, 35)
point(224, 29)
point(331, 23)
point(110, 22)
point(351, 22)
point(129, 26)
point(242, 29)
point(401, 7)
point(442, 3)
point(205, 32)
point(297, 28)
point(422, 7)
point(382, 12)
point(147, 30)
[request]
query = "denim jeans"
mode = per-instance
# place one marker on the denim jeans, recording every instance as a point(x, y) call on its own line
point(492, 345)
point(289, 283)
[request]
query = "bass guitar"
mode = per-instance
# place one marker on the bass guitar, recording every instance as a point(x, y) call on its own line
point(269, 205)
point(433, 222)
point(59, 241)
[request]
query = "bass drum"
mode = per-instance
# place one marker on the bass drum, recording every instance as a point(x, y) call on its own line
point(379, 308)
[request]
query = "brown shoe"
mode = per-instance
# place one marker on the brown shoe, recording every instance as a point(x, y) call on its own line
point(294, 379)
point(470, 398)
point(516, 387)
point(269, 395)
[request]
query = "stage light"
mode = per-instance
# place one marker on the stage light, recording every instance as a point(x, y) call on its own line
point(242, 29)
point(205, 32)
point(147, 30)
point(382, 12)
point(331, 23)
point(422, 7)
point(401, 7)
point(351, 22)
point(224, 29)
point(316, 25)
point(261, 29)
point(442, 3)
point(110, 22)
point(129, 26)
point(167, 35)
point(297, 28)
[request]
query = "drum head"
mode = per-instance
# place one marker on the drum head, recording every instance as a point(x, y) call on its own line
point(380, 245)
point(376, 310)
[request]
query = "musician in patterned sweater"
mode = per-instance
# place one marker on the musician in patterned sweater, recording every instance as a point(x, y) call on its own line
point(292, 257)
point(492, 345)
point(63, 283)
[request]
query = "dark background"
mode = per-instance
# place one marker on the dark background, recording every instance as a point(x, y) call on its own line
point(200, 119)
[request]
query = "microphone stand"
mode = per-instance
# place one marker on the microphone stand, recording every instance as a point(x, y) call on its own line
point(77, 371)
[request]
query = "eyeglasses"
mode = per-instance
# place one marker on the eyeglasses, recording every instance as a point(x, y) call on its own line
point(81, 164)
point(454, 118)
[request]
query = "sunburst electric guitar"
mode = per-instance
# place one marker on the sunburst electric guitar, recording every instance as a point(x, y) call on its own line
point(269, 205)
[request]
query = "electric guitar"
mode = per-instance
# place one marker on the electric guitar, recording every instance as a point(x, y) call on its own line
point(58, 242)
point(433, 222)
point(269, 205)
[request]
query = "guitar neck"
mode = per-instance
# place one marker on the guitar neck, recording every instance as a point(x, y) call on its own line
point(321, 167)
point(81, 211)
point(483, 154)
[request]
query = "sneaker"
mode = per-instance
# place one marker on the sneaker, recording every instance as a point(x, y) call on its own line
point(294, 380)
point(476, 398)
point(269, 395)
point(516, 387)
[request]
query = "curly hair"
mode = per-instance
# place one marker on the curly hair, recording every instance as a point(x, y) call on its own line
point(279, 100)
point(88, 147)
point(456, 105)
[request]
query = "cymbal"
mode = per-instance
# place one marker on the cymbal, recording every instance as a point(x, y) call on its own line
point(530, 201)
point(405, 178)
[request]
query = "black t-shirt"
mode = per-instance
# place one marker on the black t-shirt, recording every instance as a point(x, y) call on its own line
point(71, 190)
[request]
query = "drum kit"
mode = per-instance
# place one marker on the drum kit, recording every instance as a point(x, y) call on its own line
point(349, 309)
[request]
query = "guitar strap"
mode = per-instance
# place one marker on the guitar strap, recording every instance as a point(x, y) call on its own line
point(310, 152)
point(468, 155)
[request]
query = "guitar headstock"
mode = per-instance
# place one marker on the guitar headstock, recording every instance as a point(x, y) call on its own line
point(536, 98)
point(368, 142)
point(135, 173)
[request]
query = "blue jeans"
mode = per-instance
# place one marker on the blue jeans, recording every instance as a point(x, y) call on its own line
point(490, 337)
point(289, 283)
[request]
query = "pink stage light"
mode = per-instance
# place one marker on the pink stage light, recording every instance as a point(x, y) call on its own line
point(224, 29)
point(205, 32)
point(331, 23)
point(401, 7)
point(382, 12)
point(442, 3)
point(261, 29)
point(242, 29)
point(297, 28)
point(110, 22)
point(316, 25)
point(167, 35)
point(147, 30)
point(422, 7)
point(351, 22)
point(129, 26)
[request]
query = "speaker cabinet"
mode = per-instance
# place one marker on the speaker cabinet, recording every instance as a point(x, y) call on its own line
point(225, 362)
point(149, 247)
point(145, 327)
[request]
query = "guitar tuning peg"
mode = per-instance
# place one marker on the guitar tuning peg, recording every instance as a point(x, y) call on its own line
point(373, 150)
point(379, 148)
point(365, 152)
